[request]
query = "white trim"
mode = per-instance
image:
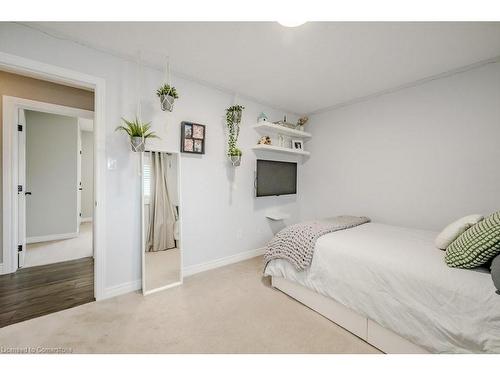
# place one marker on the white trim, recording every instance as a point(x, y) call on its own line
point(201, 267)
point(1, 268)
point(86, 220)
point(120, 289)
point(136, 285)
point(53, 73)
point(51, 237)
point(366, 329)
point(34, 105)
point(12, 156)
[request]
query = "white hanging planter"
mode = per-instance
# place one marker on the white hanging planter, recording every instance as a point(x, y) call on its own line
point(235, 160)
point(167, 102)
point(138, 144)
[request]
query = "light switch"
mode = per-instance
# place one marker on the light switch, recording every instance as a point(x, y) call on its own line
point(112, 164)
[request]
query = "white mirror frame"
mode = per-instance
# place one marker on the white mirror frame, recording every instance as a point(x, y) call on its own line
point(143, 233)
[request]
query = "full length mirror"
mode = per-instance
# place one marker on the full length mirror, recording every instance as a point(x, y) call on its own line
point(162, 262)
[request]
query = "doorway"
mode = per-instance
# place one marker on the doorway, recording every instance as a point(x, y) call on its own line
point(52, 246)
point(73, 79)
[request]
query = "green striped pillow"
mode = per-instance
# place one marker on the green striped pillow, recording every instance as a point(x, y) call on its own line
point(477, 245)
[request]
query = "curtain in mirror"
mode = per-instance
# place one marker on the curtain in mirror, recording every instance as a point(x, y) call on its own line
point(160, 234)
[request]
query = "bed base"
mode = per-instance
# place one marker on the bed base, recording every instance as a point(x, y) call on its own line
point(366, 329)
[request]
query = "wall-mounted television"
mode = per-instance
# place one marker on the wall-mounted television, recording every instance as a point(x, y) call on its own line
point(275, 178)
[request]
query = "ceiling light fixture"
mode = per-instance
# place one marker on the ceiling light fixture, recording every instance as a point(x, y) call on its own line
point(291, 23)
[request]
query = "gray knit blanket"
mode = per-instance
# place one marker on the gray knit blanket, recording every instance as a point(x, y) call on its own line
point(296, 243)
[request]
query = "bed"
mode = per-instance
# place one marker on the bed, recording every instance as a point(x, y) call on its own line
point(391, 287)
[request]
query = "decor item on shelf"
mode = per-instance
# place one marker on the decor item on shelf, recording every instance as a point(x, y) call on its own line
point(286, 124)
point(301, 122)
point(138, 133)
point(297, 144)
point(265, 140)
point(167, 95)
point(192, 138)
point(281, 140)
point(233, 120)
point(262, 117)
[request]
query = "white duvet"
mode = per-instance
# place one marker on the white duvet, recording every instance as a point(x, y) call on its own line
point(396, 277)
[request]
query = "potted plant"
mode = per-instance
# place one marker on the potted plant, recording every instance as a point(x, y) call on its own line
point(233, 120)
point(235, 156)
point(167, 95)
point(138, 133)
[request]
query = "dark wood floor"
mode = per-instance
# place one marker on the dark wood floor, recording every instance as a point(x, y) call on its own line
point(41, 290)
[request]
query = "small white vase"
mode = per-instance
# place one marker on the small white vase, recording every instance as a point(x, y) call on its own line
point(138, 144)
point(235, 160)
point(167, 102)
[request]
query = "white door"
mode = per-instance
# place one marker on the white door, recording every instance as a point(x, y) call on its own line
point(22, 192)
point(79, 179)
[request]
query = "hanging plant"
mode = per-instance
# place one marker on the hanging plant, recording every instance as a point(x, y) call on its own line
point(167, 95)
point(138, 133)
point(233, 120)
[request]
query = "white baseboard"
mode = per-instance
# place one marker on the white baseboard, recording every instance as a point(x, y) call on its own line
point(51, 237)
point(124, 288)
point(86, 219)
point(200, 267)
point(133, 286)
point(1, 268)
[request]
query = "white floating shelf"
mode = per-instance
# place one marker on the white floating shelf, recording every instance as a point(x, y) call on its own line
point(269, 127)
point(280, 149)
point(276, 216)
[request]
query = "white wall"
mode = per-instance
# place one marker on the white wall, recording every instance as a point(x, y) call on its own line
point(221, 215)
point(87, 174)
point(51, 174)
point(420, 157)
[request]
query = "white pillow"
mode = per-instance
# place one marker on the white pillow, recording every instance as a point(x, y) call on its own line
point(455, 229)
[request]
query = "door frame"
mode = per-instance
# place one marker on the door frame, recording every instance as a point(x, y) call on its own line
point(32, 68)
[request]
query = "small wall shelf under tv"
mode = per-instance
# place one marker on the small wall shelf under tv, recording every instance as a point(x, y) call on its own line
point(280, 150)
point(268, 127)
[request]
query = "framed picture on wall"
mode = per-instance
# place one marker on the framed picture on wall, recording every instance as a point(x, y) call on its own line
point(297, 144)
point(192, 138)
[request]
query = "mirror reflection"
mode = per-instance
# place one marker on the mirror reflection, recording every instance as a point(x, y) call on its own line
point(162, 253)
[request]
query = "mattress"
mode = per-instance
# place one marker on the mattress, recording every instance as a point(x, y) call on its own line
point(398, 278)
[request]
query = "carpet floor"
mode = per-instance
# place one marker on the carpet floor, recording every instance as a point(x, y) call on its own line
point(232, 309)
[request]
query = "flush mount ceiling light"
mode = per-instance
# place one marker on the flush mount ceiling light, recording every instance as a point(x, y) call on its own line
point(291, 23)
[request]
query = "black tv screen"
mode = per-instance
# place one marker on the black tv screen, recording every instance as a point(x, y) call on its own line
point(276, 178)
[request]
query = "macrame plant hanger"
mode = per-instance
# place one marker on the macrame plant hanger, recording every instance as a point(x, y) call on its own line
point(167, 101)
point(234, 132)
point(139, 147)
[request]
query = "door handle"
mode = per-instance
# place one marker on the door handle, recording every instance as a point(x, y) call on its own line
point(27, 193)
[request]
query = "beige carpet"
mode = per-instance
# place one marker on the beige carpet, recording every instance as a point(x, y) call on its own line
point(227, 310)
point(49, 252)
point(162, 268)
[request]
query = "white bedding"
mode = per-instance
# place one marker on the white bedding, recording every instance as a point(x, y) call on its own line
point(396, 277)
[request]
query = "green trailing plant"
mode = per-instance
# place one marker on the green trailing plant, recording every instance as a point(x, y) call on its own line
point(167, 90)
point(137, 128)
point(233, 120)
point(235, 152)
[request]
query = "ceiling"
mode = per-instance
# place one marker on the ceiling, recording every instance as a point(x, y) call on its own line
point(303, 69)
